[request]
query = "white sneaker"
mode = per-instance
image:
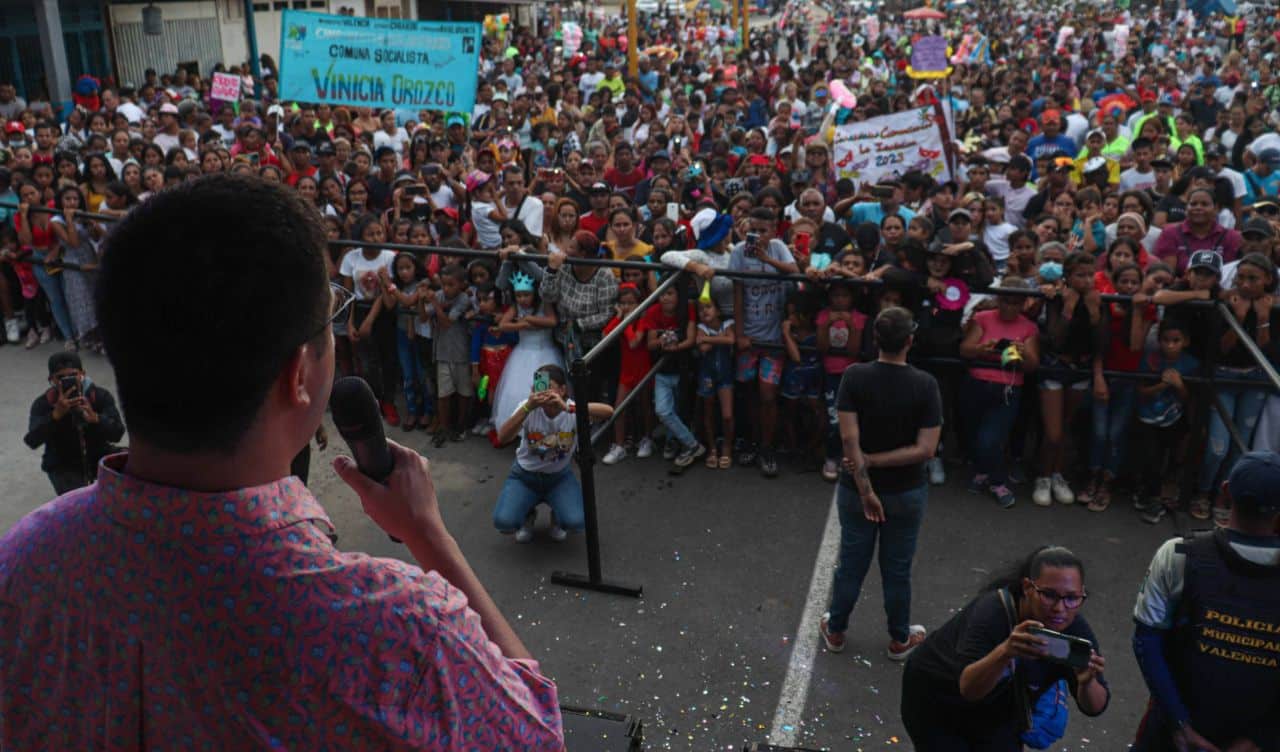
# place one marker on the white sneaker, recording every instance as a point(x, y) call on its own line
point(644, 448)
point(830, 470)
point(480, 428)
point(556, 532)
point(617, 453)
point(1043, 495)
point(525, 533)
point(1061, 491)
point(46, 334)
point(937, 473)
point(12, 331)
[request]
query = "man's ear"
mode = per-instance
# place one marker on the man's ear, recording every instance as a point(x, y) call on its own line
point(293, 379)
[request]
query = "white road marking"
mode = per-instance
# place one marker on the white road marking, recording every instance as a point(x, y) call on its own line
point(795, 688)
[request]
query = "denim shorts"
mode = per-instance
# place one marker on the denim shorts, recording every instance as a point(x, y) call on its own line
point(715, 370)
point(1078, 381)
point(802, 380)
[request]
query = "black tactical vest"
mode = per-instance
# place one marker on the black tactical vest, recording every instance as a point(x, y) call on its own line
point(1226, 653)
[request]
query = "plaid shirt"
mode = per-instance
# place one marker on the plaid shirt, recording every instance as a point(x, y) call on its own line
point(589, 304)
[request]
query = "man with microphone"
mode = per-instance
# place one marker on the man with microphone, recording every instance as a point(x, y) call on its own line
point(192, 596)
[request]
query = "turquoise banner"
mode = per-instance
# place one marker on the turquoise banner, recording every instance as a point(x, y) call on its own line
point(379, 62)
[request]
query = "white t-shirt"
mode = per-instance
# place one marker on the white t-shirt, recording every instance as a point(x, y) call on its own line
point(487, 231)
point(547, 443)
point(166, 142)
point(443, 197)
point(132, 112)
point(996, 238)
point(530, 214)
point(589, 82)
point(364, 272)
point(1238, 188)
point(1133, 180)
point(395, 140)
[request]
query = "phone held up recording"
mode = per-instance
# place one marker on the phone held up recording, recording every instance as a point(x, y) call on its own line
point(1065, 649)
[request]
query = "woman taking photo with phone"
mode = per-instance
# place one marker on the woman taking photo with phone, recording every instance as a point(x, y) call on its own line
point(974, 681)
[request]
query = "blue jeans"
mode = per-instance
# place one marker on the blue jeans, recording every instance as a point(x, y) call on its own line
point(664, 404)
point(52, 286)
point(1111, 427)
point(830, 388)
point(1244, 405)
point(523, 491)
point(903, 513)
point(992, 408)
point(415, 393)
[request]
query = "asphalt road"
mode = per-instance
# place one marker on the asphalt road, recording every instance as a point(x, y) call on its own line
point(725, 558)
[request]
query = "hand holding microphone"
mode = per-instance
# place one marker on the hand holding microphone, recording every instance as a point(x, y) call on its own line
point(393, 482)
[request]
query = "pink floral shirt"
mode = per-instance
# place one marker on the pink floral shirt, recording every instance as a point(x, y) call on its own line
point(136, 616)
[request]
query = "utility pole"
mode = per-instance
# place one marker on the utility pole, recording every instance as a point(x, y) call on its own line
point(252, 31)
point(633, 35)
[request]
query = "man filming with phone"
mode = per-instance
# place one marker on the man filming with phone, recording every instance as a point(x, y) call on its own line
point(76, 422)
point(193, 595)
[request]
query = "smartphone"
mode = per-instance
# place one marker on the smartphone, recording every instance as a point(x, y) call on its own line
point(541, 381)
point(753, 244)
point(415, 190)
point(253, 157)
point(1074, 652)
point(69, 385)
point(803, 239)
point(673, 211)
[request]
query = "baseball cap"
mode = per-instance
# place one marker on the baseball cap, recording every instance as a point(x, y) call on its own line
point(326, 149)
point(960, 213)
point(715, 231)
point(403, 178)
point(1259, 227)
point(62, 360)
point(301, 145)
point(1149, 96)
point(1214, 149)
point(1096, 132)
point(13, 126)
point(660, 154)
point(1253, 482)
point(476, 179)
point(454, 120)
point(168, 108)
point(1051, 116)
point(448, 211)
point(1206, 260)
point(1093, 164)
point(499, 96)
point(1270, 157)
point(1167, 99)
point(1162, 163)
point(598, 187)
point(276, 110)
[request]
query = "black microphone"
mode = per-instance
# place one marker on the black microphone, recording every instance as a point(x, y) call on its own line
point(358, 420)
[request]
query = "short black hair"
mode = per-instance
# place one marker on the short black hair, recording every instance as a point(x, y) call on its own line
point(893, 328)
point(205, 291)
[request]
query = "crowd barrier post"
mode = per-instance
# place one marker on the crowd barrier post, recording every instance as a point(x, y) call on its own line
point(579, 374)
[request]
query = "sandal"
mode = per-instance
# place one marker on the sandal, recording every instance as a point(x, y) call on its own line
point(1101, 499)
point(1089, 494)
point(1200, 508)
point(726, 461)
point(713, 460)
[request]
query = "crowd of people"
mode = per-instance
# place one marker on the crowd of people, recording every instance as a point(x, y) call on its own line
point(1135, 156)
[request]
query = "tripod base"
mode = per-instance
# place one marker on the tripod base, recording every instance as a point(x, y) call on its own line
point(569, 579)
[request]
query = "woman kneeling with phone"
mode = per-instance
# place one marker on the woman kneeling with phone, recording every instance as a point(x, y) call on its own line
point(989, 679)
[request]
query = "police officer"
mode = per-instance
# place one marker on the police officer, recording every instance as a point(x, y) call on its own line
point(1208, 626)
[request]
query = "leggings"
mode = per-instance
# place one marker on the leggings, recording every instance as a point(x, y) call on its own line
point(376, 354)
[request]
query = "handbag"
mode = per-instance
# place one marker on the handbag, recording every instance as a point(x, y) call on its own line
point(1045, 722)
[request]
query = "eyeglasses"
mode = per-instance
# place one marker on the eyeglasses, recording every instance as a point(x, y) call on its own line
point(340, 300)
point(1051, 598)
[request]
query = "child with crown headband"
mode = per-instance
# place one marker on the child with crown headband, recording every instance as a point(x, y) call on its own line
point(533, 321)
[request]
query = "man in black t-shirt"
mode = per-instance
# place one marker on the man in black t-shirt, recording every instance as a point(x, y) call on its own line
point(890, 420)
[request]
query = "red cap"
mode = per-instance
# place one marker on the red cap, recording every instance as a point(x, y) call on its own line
point(1149, 96)
point(13, 126)
point(448, 211)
